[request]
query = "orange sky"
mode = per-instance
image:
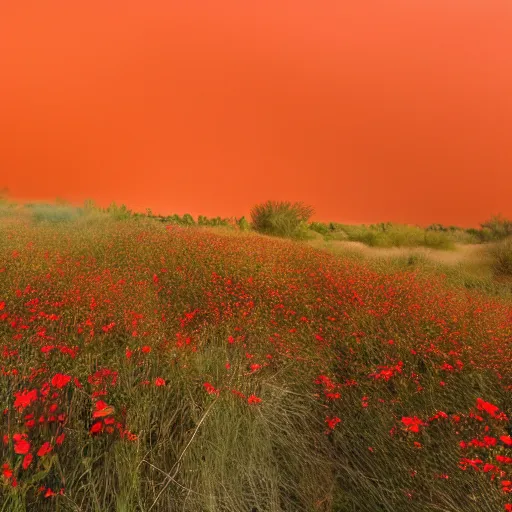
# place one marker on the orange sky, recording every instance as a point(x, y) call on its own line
point(368, 110)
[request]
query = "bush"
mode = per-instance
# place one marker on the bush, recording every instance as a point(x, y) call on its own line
point(321, 228)
point(54, 214)
point(501, 254)
point(188, 220)
point(281, 218)
point(497, 228)
point(243, 225)
point(119, 212)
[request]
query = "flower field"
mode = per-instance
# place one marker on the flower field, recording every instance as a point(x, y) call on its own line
point(156, 368)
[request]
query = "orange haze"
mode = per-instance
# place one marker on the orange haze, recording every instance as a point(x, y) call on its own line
point(368, 110)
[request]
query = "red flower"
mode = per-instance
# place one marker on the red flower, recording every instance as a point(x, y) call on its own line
point(508, 507)
point(210, 389)
point(96, 428)
point(21, 445)
point(49, 493)
point(490, 441)
point(506, 440)
point(45, 448)
point(59, 380)
point(464, 463)
point(102, 409)
point(145, 349)
point(27, 460)
point(25, 398)
point(503, 459)
point(489, 408)
point(6, 470)
point(60, 439)
point(412, 424)
point(253, 399)
point(332, 422)
point(159, 381)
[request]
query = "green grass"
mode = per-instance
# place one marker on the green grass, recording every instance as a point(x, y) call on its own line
point(120, 304)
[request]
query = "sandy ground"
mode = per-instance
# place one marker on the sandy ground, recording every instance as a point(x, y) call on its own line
point(470, 253)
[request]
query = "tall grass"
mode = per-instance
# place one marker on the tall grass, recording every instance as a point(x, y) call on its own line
point(394, 235)
point(225, 363)
point(281, 218)
point(501, 254)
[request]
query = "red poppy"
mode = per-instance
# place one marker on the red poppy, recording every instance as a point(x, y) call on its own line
point(25, 398)
point(27, 460)
point(159, 381)
point(6, 470)
point(489, 408)
point(412, 424)
point(102, 409)
point(59, 380)
point(253, 399)
point(332, 422)
point(49, 493)
point(45, 448)
point(21, 445)
point(210, 389)
point(97, 427)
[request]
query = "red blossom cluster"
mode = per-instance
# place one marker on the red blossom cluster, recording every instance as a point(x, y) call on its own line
point(377, 349)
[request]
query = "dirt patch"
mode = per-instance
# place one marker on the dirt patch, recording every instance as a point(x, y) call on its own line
point(467, 253)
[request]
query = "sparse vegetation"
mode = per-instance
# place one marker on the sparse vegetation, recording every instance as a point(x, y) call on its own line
point(501, 254)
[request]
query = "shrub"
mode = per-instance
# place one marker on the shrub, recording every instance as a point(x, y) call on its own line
point(119, 212)
point(497, 227)
point(54, 214)
point(321, 228)
point(188, 220)
point(243, 225)
point(501, 257)
point(281, 218)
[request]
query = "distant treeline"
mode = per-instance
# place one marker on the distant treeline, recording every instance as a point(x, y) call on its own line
point(282, 219)
point(436, 235)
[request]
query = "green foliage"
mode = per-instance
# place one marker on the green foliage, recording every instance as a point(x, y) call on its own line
point(54, 214)
point(281, 218)
point(321, 227)
point(297, 314)
point(242, 224)
point(90, 205)
point(119, 212)
point(501, 254)
point(188, 220)
point(396, 235)
point(496, 228)
point(7, 208)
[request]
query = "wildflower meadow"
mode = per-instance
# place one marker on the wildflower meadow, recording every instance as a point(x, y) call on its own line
point(154, 367)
